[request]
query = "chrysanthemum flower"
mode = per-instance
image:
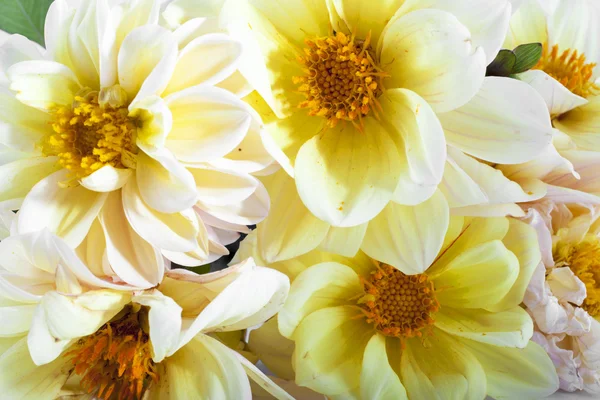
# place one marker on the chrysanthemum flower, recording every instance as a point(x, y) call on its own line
point(123, 123)
point(564, 294)
point(66, 332)
point(357, 91)
point(429, 307)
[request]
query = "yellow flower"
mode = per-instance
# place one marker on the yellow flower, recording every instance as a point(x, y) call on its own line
point(430, 307)
point(354, 95)
point(115, 129)
point(66, 332)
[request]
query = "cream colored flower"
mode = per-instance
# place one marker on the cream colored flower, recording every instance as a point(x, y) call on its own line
point(355, 95)
point(564, 295)
point(123, 124)
point(66, 332)
point(429, 307)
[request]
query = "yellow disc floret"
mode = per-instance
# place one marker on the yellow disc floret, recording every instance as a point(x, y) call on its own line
point(584, 260)
point(116, 361)
point(87, 136)
point(342, 80)
point(399, 305)
point(570, 69)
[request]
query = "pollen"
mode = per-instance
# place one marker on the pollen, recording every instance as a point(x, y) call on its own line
point(570, 69)
point(342, 80)
point(399, 305)
point(116, 361)
point(87, 135)
point(584, 260)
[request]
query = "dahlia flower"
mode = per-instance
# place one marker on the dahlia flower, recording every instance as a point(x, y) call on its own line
point(430, 306)
point(135, 128)
point(563, 297)
point(66, 332)
point(358, 98)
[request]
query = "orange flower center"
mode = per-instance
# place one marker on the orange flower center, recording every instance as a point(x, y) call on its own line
point(116, 361)
point(87, 136)
point(399, 305)
point(570, 69)
point(584, 260)
point(342, 80)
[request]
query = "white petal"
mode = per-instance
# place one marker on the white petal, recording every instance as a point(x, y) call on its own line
point(164, 320)
point(43, 84)
point(106, 179)
point(250, 211)
point(221, 187)
point(164, 183)
point(507, 129)
point(174, 232)
point(207, 60)
point(14, 49)
point(431, 53)
point(155, 123)
point(408, 238)
point(132, 259)
point(558, 98)
point(68, 212)
point(146, 61)
point(20, 176)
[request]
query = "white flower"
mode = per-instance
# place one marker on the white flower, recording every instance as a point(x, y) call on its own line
point(66, 332)
point(125, 129)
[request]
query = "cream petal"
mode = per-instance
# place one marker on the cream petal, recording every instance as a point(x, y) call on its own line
point(236, 84)
point(377, 379)
point(222, 187)
point(408, 238)
point(263, 380)
point(515, 373)
point(468, 182)
point(67, 212)
point(344, 176)
point(344, 241)
point(208, 123)
point(106, 179)
point(558, 98)
point(173, 232)
point(220, 375)
point(22, 379)
point(14, 49)
point(249, 211)
point(324, 285)
point(527, 24)
point(563, 195)
point(478, 277)
point(207, 60)
point(522, 241)
point(131, 15)
point(164, 321)
point(20, 176)
point(431, 53)
point(56, 31)
point(255, 296)
point(587, 165)
point(132, 259)
point(418, 134)
point(487, 21)
point(330, 344)
point(508, 129)
point(165, 184)
point(16, 320)
point(155, 123)
point(510, 328)
point(43, 84)
point(443, 369)
point(146, 61)
point(274, 350)
point(362, 19)
point(583, 124)
point(290, 229)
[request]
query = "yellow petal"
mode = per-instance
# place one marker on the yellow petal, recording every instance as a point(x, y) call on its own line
point(378, 380)
point(478, 277)
point(344, 241)
point(330, 344)
point(274, 350)
point(20, 176)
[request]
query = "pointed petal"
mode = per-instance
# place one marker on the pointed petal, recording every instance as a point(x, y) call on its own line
point(106, 179)
point(344, 241)
point(558, 98)
point(377, 379)
point(262, 380)
point(20, 176)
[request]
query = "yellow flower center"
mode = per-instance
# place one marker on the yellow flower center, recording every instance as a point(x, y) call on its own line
point(342, 80)
point(116, 361)
point(88, 135)
point(570, 69)
point(584, 260)
point(399, 305)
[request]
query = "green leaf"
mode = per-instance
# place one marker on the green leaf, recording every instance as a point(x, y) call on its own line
point(25, 17)
point(528, 56)
point(503, 64)
point(203, 269)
